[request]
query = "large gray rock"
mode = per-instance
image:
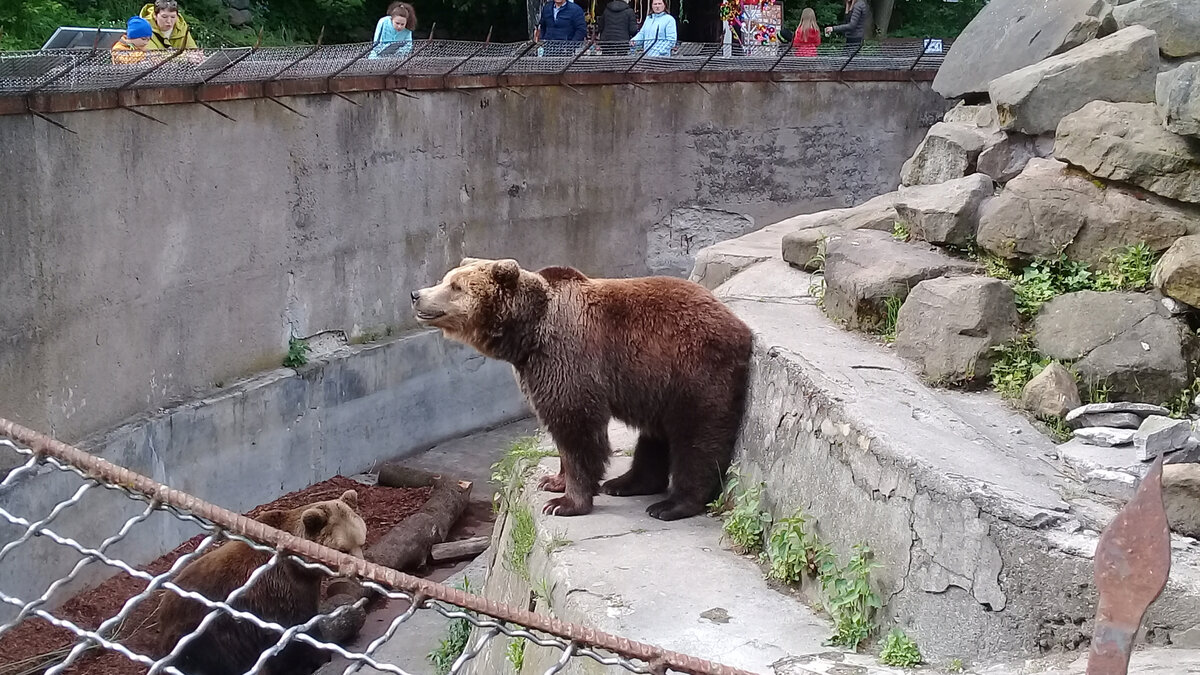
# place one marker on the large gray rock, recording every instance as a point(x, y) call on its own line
point(1177, 274)
point(947, 213)
point(801, 245)
point(1120, 67)
point(1051, 393)
point(950, 324)
point(1159, 435)
point(1181, 497)
point(1105, 436)
point(1006, 158)
point(1177, 23)
point(1050, 207)
point(983, 116)
point(1116, 407)
point(948, 151)
point(1177, 93)
point(1125, 341)
point(1127, 142)
point(1007, 36)
point(863, 268)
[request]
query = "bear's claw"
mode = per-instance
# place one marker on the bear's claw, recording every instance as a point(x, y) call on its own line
point(565, 506)
point(556, 483)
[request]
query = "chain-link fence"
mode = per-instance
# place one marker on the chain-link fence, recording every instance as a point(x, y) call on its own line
point(51, 71)
point(38, 636)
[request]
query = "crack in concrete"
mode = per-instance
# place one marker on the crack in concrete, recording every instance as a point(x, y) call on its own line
point(619, 534)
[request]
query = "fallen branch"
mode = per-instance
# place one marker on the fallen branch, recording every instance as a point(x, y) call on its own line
point(457, 550)
point(400, 476)
point(406, 547)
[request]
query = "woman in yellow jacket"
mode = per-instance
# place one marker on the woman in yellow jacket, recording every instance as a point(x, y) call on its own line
point(171, 30)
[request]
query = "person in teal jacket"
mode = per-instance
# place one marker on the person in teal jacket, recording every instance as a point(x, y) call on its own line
point(658, 34)
point(396, 27)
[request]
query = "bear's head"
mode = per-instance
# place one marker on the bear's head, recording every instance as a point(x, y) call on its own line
point(491, 305)
point(333, 523)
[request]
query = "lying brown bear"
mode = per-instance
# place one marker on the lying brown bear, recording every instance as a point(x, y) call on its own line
point(662, 355)
point(287, 594)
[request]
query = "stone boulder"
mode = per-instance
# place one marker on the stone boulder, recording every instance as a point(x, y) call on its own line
point(864, 268)
point(947, 213)
point(982, 116)
point(1176, 22)
point(1007, 157)
point(1127, 142)
point(1120, 67)
point(1177, 93)
point(1051, 393)
point(1181, 497)
point(1125, 341)
point(1177, 274)
point(949, 151)
point(1007, 36)
point(1105, 436)
point(801, 245)
point(949, 325)
point(1159, 435)
point(1051, 207)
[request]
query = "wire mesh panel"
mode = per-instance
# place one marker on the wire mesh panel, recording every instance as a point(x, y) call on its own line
point(132, 624)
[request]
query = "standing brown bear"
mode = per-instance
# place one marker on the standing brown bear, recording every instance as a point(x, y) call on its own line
point(288, 594)
point(660, 354)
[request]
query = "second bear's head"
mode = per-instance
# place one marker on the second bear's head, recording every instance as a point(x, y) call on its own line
point(334, 523)
point(492, 305)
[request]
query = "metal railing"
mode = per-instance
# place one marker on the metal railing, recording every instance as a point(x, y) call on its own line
point(47, 461)
point(57, 71)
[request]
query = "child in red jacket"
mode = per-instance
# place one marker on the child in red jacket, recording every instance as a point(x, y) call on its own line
point(808, 34)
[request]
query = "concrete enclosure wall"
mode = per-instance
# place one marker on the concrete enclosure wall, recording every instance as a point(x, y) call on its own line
point(144, 264)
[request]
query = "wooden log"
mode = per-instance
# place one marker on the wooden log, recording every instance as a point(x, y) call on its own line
point(456, 550)
point(406, 546)
point(399, 476)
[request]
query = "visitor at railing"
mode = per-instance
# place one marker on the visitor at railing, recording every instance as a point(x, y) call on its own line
point(658, 34)
point(134, 45)
point(169, 29)
point(616, 27)
point(857, 13)
point(561, 21)
point(393, 33)
point(808, 34)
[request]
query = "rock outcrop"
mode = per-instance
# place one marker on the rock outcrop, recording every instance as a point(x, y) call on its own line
point(1127, 142)
point(1177, 94)
point(1120, 67)
point(1177, 23)
point(949, 151)
point(1050, 208)
point(945, 214)
point(1177, 273)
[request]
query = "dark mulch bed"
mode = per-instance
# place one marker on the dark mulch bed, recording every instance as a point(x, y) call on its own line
point(36, 644)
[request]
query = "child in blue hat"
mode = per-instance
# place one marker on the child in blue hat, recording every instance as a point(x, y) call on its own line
point(131, 48)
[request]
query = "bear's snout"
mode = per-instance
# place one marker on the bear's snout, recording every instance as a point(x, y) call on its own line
point(416, 295)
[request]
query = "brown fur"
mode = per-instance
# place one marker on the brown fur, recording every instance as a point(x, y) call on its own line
point(660, 354)
point(287, 594)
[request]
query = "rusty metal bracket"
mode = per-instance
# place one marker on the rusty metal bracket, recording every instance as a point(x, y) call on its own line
point(458, 65)
point(578, 55)
point(60, 125)
point(339, 71)
point(705, 65)
point(1132, 563)
point(641, 56)
point(208, 105)
point(151, 71)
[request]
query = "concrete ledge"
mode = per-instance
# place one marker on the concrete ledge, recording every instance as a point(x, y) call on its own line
point(258, 439)
point(668, 584)
point(985, 545)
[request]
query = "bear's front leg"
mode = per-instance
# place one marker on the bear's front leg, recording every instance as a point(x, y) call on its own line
point(583, 453)
point(556, 483)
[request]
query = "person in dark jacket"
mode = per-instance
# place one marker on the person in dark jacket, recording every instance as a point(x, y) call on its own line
point(562, 21)
point(616, 27)
point(855, 26)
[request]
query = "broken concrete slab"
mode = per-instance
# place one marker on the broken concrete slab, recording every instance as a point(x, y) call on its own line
point(1105, 437)
point(1159, 435)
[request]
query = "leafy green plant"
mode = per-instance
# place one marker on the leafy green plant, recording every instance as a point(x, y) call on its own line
point(1098, 391)
point(452, 645)
point(791, 550)
point(1017, 362)
point(515, 653)
point(1181, 405)
point(900, 231)
point(1057, 428)
point(900, 650)
point(297, 353)
point(746, 521)
point(1044, 279)
point(1128, 269)
point(521, 539)
point(956, 665)
point(509, 474)
point(850, 600)
point(891, 313)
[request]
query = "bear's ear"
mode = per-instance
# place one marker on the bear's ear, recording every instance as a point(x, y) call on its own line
point(350, 498)
point(506, 273)
point(314, 520)
point(470, 261)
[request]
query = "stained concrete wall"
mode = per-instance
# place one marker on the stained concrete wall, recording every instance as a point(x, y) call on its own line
point(144, 263)
point(272, 434)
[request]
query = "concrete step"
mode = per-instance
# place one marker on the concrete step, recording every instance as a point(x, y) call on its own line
point(984, 532)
